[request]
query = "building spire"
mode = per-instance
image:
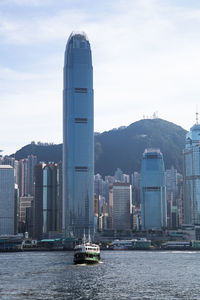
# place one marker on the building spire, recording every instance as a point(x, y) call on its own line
point(197, 115)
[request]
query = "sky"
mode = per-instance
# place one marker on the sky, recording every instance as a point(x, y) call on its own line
point(146, 60)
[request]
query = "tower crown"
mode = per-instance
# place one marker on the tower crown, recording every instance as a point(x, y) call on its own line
point(78, 35)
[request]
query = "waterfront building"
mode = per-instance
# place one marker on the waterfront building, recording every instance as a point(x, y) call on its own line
point(30, 220)
point(26, 175)
point(7, 200)
point(17, 172)
point(180, 199)
point(78, 138)
point(24, 203)
point(23, 179)
point(191, 153)
point(173, 197)
point(16, 208)
point(153, 190)
point(135, 182)
point(32, 161)
point(38, 203)
point(122, 206)
point(136, 218)
point(52, 210)
point(48, 201)
point(7, 160)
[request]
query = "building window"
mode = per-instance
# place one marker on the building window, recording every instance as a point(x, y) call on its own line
point(152, 156)
point(81, 169)
point(81, 120)
point(80, 90)
point(152, 188)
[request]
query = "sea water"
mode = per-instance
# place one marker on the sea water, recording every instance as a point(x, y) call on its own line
point(120, 275)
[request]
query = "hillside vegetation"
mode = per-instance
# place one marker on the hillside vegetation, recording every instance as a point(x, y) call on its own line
point(123, 147)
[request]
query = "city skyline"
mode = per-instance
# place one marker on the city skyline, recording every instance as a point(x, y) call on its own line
point(158, 71)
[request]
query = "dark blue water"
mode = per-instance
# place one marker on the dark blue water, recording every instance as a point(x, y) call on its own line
point(121, 275)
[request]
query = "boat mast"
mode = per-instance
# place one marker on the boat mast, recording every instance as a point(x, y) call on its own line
point(89, 238)
point(84, 237)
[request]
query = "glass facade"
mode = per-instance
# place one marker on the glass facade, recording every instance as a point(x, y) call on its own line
point(51, 198)
point(153, 190)
point(6, 200)
point(122, 206)
point(78, 144)
point(192, 176)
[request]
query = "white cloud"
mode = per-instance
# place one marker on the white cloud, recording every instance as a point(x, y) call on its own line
point(23, 3)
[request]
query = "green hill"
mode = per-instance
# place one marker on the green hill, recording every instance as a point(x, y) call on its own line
point(44, 152)
point(123, 148)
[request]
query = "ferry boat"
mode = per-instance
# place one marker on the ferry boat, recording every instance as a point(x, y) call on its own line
point(86, 253)
point(134, 244)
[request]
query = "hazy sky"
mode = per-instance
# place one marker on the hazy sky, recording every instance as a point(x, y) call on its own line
point(146, 59)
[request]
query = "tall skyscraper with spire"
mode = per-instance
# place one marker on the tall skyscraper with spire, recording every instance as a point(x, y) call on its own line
point(191, 200)
point(78, 138)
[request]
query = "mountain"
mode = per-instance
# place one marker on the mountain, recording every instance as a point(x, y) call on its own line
point(44, 152)
point(123, 147)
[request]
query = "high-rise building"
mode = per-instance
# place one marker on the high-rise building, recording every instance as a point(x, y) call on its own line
point(23, 179)
point(38, 203)
point(135, 181)
point(78, 140)
point(16, 207)
point(47, 208)
point(7, 200)
point(153, 190)
point(122, 206)
point(24, 203)
point(7, 160)
point(51, 199)
point(191, 201)
point(173, 197)
point(32, 161)
point(26, 175)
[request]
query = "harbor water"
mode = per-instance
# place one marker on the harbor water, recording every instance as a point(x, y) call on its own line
point(120, 275)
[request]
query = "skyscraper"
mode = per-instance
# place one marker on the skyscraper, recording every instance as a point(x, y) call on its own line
point(7, 204)
point(173, 197)
point(122, 206)
point(47, 206)
point(78, 144)
point(191, 203)
point(153, 194)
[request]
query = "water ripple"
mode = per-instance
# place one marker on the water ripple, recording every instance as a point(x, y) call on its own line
point(122, 275)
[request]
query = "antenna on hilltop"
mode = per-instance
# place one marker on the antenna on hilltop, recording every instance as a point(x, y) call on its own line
point(197, 115)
